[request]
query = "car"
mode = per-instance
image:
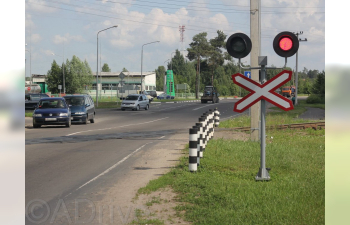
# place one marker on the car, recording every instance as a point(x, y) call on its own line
point(135, 102)
point(147, 94)
point(152, 93)
point(52, 111)
point(165, 96)
point(82, 108)
point(32, 100)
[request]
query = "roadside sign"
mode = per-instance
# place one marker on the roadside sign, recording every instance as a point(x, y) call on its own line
point(59, 87)
point(263, 91)
point(28, 88)
point(248, 74)
point(121, 76)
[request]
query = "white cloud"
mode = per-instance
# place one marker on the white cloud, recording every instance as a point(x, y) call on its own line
point(36, 38)
point(39, 6)
point(58, 39)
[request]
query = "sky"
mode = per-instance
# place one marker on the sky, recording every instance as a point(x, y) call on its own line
point(70, 27)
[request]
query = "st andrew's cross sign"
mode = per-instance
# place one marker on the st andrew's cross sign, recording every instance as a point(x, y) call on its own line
point(263, 91)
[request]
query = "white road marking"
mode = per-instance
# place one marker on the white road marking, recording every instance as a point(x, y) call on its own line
point(202, 107)
point(117, 127)
point(115, 165)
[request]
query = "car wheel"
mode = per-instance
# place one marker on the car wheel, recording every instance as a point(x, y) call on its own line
point(137, 107)
point(36, 125)
point(69, 123)
point(147, 107)
point(123, 109)
point(86, 119)
point(93, 118)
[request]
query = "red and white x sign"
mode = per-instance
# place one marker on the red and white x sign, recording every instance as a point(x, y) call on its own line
point(263, 91)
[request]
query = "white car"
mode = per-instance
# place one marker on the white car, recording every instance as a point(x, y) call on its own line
point(135, 102)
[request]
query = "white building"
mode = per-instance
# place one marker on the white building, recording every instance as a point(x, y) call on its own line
point(132, 80)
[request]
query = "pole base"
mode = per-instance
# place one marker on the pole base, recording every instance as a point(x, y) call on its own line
point(262, 175)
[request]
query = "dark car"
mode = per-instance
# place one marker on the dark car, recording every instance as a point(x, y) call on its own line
point(82, 108)
point(52, 111)
point(32, 100)
point(152, 93)
point(165, 96)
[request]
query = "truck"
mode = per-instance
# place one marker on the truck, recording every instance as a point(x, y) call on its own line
point(210, 94)
point(288, 91)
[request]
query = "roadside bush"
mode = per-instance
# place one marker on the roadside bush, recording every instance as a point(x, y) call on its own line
point(315, 98)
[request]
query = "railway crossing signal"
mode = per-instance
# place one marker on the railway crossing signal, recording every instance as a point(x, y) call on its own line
point(263, 91)
point(238, 45)
point(286, 44)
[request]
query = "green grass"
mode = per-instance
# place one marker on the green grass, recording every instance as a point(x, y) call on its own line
point(224, 191)
point(278, 117)
point(29, 114)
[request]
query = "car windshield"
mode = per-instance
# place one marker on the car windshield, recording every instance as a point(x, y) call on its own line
point(48, 104)
point(75, 101)
point(285, 89)
point(132, 97)
point(208, 89)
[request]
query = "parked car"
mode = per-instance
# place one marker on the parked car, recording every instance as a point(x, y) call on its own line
point(165, 96)
point(52, 111)
point(152, 93)
point(82, 108)
point(135, 102)
point(147, 94)
point(32, 100)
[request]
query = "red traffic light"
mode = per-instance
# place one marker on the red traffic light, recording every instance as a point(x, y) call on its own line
point(286, 44)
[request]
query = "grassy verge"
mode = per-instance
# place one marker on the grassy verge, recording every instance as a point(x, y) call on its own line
point(224, 190)
point(274, 118)
point(29, 114)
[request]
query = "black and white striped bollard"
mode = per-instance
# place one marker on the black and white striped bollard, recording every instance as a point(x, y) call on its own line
point(193, 154)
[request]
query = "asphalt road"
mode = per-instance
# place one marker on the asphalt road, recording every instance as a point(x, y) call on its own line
point(63, 163)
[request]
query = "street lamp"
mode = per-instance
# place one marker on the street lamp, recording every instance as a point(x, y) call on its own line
point(171, 56)
point(64, 82)
point(97, 63)
point(165, 87)
point(30, 63)
point(142, 58)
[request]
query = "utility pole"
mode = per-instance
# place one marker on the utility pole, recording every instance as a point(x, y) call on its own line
point(255, 38)
point(296, 68)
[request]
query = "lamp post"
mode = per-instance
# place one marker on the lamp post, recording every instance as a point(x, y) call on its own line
point(171, 57)
point(30, 64)
point(165, 87)
point(97, 63)
point(64, 82)
point(142, 58)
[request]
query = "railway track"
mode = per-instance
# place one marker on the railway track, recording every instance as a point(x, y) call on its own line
point(313, 125)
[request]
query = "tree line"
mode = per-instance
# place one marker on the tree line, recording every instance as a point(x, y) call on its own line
point(208, 63)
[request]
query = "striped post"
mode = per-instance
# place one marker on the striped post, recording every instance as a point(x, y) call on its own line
point(193, 154)
point(200, 139)
point(216, 117)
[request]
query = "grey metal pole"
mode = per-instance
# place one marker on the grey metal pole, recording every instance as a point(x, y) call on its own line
point(263, 174)
point(296, 81)
point(142, 59)
point(97, 73)
point(97, 63)
point(64, 81)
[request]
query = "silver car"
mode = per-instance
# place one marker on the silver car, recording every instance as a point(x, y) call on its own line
point(135, 102)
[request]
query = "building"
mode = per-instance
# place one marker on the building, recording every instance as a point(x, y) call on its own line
point(131, 80)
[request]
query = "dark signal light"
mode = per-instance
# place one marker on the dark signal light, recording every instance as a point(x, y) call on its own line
point(286, 44)
point(238, 45)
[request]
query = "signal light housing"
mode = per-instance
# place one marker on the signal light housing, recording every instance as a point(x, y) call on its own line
point(238, 45)
point(285, 44)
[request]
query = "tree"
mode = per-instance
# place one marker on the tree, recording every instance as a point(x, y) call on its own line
point(160, 73)
point(54, 77)
point(198, 48)
point(216, 58)
point(319, 85)
point(105, 68)
point(78, 74)
point(125, 70)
